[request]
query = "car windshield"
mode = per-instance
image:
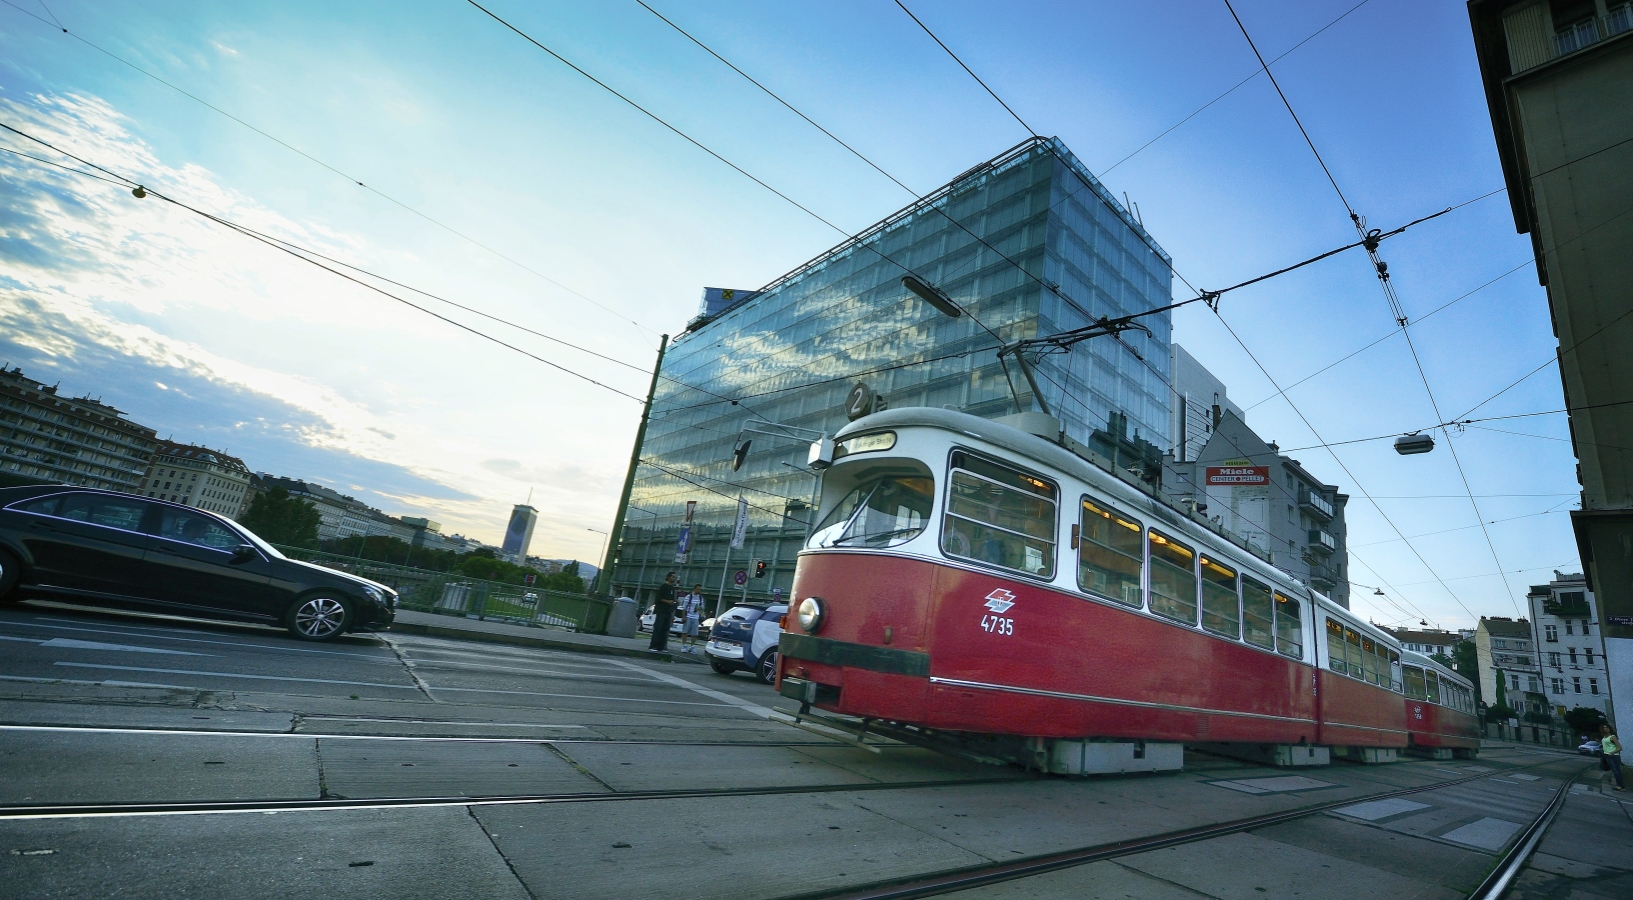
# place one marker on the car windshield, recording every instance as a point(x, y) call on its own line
point(253, 538)
point(879, 513)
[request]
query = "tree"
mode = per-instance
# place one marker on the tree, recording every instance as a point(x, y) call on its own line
point(281, 519)
point(1585, 720)
point(1467, 664)
point(566, 580)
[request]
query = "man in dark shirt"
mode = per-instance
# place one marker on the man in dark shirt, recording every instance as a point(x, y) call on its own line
point(663, 613)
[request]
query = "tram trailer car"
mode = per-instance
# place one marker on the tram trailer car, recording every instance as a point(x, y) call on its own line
point(992, 585)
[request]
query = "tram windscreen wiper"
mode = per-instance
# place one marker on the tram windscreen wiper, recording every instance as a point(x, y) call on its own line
point(876, 536)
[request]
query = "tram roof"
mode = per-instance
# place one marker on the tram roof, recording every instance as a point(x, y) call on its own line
point(1064, 454)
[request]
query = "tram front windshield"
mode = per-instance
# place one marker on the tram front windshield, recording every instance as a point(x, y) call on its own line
point(882, 512)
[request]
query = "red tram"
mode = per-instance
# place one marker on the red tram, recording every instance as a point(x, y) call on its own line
point(1004, 589)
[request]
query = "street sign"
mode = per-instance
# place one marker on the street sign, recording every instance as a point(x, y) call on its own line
point(776, 594)
point(739, 577)
point(860, 401)
point(683, 547)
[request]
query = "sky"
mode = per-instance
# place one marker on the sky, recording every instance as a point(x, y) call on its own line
point(427, 143)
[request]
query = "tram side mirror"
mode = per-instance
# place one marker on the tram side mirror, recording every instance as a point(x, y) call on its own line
point(822, 454)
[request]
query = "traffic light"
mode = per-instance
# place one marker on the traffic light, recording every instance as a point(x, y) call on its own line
point(759, 568)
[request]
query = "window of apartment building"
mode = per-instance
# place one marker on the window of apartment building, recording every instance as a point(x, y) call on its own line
point(1593, 685)
point(1556, 685)
point(1552, 632)
point(1572, 652)
point(1589, 652)
point(1568, 627)
point(1553, 658)
point(1514, 682)
point(1585, 627)
point(1533, 684)
point(1576, 684)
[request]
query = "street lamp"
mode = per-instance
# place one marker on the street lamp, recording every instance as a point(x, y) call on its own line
point(603, 556)
point(640, 581)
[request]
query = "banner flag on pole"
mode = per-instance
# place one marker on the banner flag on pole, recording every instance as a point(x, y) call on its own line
point(742, 523)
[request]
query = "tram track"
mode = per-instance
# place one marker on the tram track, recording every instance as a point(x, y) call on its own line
point(969, 877)
point(420, 738)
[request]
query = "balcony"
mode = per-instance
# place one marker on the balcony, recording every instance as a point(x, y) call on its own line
point(1315, 504)
point(1322, 543)
point(1323, 578)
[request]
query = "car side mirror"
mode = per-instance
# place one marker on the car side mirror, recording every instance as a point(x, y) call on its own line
point(243, 553)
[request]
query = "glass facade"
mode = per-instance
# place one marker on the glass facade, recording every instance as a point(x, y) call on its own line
point(1062, 253)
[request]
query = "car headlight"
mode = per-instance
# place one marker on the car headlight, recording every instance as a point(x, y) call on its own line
point(811, 613)
point(374, 593)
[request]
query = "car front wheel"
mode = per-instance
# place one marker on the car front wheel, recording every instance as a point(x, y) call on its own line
point(319, 617)
point(767, 672)
point(720, 667)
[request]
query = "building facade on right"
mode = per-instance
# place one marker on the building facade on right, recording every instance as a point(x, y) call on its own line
point(1571, 648)
point(1557, 77)
point(1200, 401)
point(1509, 672)
point(340, 516)
point(198, 477)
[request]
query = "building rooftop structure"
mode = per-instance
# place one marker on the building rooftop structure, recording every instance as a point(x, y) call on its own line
point(72, 440)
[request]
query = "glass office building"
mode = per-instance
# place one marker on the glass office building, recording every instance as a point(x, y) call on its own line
point(1028, 244)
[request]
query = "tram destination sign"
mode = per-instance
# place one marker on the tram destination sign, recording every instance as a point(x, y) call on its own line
point(1244, 476)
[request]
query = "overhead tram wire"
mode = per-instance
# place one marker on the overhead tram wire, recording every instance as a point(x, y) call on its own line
point(350, 178)
point(285, 247)
point(1341, 17)
point(1530, 260)
point(1213, 306)
point(1388, 289)
point(297, 249)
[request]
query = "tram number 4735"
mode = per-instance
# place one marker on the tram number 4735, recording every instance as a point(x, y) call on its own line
point(997, 625)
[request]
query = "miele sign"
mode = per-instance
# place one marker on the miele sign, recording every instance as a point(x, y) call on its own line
point(1246, 476)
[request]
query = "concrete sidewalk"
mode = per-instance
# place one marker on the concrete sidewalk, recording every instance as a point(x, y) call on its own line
point(467, 629)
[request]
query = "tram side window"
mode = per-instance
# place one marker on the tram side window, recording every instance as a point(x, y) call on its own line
point(1337, 656)
point(1289, 627)
point(1109, 555)
point(1352, 640)
point(1369, 660)
point(1415, 686)
point(1220, 606)
point(1173, 579)
point(999, 516)
point(1394, 671)
point(1257, 610)
point(1433, 682)
point(1415, 689)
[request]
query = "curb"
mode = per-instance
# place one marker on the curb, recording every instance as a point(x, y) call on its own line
point(518, 640)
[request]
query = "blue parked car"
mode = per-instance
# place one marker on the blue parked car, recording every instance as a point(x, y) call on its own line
point(746, 638)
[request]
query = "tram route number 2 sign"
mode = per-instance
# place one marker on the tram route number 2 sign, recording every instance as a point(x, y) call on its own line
point(1243, 476)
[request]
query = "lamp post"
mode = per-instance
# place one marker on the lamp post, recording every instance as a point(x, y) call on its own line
point(640, 581)
point(604, 538)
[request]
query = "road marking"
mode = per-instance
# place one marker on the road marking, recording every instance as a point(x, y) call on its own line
point(1524, 777)
point(72, 644)
point(1278, 785)
point(574, 696)
point(1380, 809)
point(301, 735)
point(399, 687)
point(323, 718)
point(27, 680)
point(1485, 834)
point(166, 637)
point(543, 673)
point(755, 708)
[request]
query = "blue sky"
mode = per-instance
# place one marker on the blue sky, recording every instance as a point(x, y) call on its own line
point(207, 336)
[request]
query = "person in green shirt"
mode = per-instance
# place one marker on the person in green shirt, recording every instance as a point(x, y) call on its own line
point(1612, 750)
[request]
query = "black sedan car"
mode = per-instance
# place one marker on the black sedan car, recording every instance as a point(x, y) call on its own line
point(105, 547)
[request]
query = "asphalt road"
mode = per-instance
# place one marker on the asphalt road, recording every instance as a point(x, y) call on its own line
point(101, 708)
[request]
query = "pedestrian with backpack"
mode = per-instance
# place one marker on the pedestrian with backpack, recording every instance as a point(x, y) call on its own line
point(691, 608)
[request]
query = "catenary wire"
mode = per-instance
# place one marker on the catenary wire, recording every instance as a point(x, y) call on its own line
point(1200, 294)
point(284, 247)
point(1389, 295)
point(1342, 16)
point(983, 84)
point(371, 189)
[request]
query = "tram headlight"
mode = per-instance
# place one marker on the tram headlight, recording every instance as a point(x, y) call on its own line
point(811, 613)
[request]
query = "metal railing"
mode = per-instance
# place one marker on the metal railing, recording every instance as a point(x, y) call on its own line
point(452, 594)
